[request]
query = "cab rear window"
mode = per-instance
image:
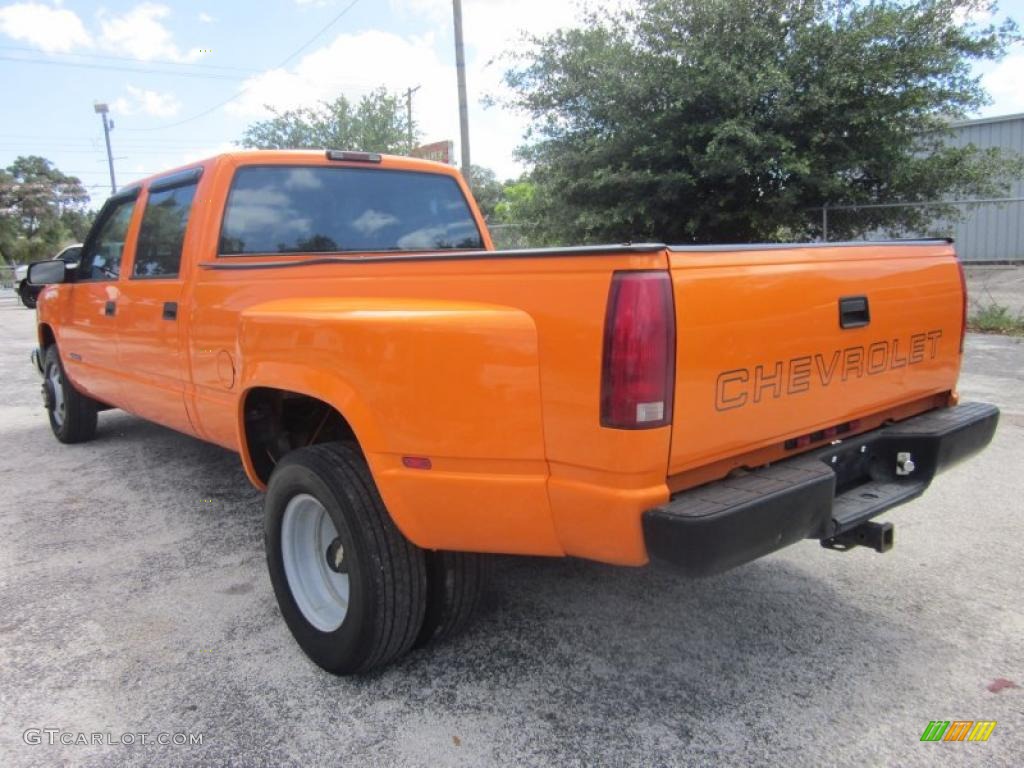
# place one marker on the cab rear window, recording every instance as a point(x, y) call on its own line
point(318, 209)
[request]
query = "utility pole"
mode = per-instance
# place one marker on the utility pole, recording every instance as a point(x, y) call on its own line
point(408, 104)
point(460, 67)
point(102, 109)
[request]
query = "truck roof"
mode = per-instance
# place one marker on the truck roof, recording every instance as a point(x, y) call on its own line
point(308, 157)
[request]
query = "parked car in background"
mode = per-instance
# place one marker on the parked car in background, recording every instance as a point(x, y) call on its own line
point(29, 293)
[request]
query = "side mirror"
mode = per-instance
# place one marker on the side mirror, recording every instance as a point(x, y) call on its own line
point(47, 272)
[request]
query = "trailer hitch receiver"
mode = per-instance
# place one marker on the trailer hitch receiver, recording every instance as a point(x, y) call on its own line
point(876, 536)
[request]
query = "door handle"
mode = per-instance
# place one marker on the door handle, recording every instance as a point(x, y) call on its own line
point(854, 312)
point(170, 310)
point(110, 309)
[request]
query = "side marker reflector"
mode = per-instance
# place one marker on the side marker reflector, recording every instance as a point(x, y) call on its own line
point(416, 462)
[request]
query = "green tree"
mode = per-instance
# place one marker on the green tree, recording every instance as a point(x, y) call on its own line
point(730, 120)
point(41, 209)
point(486, 188)
point(378, 122)
point(514, 223)
point(516, 205)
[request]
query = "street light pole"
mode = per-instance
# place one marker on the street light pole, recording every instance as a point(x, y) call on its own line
point(408, 104)
point(102, 109)
point(460, 67)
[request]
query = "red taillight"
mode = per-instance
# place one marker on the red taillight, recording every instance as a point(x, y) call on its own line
point(963, 293)
point(638, 369)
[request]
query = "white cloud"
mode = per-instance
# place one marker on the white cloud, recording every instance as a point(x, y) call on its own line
point(54, 30)
point(353, 64)
point(206, 18)
point(140, 33)
point(980, 14)
point(142, 101)
point(1003, 82)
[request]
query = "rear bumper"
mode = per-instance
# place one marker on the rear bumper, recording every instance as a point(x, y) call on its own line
point(820, 494)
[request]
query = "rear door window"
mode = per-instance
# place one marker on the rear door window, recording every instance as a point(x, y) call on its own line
point(162, 233)
point(318, 209)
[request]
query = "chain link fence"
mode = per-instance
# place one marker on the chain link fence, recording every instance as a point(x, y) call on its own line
point(987, 231)
point(509, 236)
point(6, 278)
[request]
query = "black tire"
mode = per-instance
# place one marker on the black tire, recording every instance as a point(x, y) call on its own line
point(76, 421)
point(26, 294)
point(455, 582)
point(387, 585)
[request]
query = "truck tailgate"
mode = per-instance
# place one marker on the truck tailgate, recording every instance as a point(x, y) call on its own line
point(774, 344)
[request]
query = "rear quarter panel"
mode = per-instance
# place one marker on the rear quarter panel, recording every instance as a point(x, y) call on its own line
point(490, 367)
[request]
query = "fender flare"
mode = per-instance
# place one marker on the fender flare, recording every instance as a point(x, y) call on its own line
point(299, 378)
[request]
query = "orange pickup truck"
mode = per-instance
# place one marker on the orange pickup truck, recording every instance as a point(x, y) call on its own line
point(411, 398)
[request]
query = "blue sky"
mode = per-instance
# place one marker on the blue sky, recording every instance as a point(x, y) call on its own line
point(159, 64)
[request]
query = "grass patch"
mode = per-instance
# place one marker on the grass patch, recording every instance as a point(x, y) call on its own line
point(996, 318)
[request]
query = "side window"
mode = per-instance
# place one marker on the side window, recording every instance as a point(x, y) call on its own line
point(102, 261)
point(158, 253)
point(71, 255)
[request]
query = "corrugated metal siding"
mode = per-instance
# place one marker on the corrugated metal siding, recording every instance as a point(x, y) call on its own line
point(992, 232)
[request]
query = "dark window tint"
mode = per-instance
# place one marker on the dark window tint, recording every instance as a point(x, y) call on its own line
point(102, 261)
point(162, 232)
point(285, 209)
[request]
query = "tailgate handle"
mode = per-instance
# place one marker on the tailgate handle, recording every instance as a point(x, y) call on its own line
point(854, 312)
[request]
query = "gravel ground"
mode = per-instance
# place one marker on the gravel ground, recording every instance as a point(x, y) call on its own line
point(134, 598)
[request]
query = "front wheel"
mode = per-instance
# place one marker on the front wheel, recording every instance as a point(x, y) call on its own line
point(72, 414)
point(351, 587)
point(26, 294)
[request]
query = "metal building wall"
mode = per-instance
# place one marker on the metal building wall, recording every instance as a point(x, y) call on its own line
point(992, 232)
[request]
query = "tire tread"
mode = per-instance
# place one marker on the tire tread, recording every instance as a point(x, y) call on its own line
point(450, 610)
point(400, 584)
point(80, 410)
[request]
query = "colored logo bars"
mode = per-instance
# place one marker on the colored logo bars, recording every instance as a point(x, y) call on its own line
point(958, 730)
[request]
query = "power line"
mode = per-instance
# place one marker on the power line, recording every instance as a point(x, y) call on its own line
point(287, 59)
point(7, 137)
point(130, 58)
point(96, 151)
point(322, 29)
point(115, 68)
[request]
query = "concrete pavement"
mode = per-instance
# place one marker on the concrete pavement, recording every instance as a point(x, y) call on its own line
point(134, 598)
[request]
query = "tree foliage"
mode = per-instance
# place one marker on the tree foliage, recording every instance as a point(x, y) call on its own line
point(731, 120)
point(486, 188)
point(378, 122)
point(41, 209)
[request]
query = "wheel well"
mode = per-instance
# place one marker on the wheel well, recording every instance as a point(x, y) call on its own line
point(46, 337)
point(278, 421)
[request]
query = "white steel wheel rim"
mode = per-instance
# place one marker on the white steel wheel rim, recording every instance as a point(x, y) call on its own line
point(307, 533)
point(57, 386)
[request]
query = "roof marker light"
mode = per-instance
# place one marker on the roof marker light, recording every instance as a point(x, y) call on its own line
point(353, 157)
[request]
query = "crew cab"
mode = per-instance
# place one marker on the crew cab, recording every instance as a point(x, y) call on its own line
point(411, 399)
